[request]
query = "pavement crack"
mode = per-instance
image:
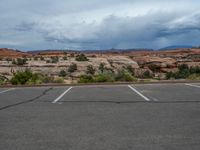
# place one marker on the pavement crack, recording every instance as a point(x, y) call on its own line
point(27, 101)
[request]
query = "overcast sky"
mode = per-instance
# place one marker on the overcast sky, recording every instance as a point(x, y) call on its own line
point(98, 24)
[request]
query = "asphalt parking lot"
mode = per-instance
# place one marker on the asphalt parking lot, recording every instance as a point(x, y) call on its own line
point(104, 117)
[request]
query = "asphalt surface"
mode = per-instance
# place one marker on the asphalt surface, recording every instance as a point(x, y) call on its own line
point(126, 117)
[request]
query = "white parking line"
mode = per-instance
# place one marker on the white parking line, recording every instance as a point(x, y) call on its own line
point(193, 85)
point(7, 90)
point(136, 91)
point(57, 99)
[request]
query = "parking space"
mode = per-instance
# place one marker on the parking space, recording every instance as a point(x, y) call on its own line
point(101, 94)
point(170, 92)
point(13, 96)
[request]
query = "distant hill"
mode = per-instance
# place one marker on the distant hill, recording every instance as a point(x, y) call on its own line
point(12, 53)
point(174, 47)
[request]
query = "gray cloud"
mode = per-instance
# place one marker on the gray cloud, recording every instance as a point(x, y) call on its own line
point(98, 24)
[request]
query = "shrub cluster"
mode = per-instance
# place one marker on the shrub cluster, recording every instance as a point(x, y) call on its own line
point(19, 61)
point(108, 76)
point(184, 72)
point(28, 77)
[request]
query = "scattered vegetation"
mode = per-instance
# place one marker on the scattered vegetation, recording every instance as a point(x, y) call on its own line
point(184, 72)
point(28, 77)
point(72, 68)
point(122, 75)
point(19, 61)
point(81, 57)
point(54, 60)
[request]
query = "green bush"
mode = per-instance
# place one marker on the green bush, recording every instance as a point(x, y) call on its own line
point(170, 75)
point(183, 72)
point(86, 79)
point(147, 75)
point(124, 75)
point(24, 77)
point(90, 70)
point(62, 73)
point(72, 68)
point(81, 57)
point(2, 81)
point(106, 76)
point(194, 77)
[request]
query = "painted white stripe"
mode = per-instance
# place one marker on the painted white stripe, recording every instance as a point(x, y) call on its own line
point(57, 99)
point(140, 94)
point(6, 90)
point(193, 85)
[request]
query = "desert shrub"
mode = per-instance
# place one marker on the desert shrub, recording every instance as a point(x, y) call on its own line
point(170, 75)
point(90, 70)
point(183, 72)
point(194, 77)
point(62, 73)
point(106, 76)
point(65, 58)
point(130, 69)
point(86, 79)
point(24, 77)
point(195, 70)
point(2, 80)
point(36, 58)
point(101, 67)
point(54, 59)
point(147, 74)
point(19, 61)
point(72, 68)
point(124, 75)
point(47, 79)
point(58, 80)
point(81, 57)
point(42, 58)
point(48, 61)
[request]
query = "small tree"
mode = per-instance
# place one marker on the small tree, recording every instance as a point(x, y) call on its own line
point(90, 70)
point(72, 68)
